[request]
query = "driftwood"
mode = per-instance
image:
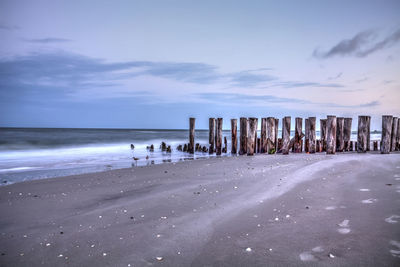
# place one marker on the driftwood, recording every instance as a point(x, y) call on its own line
point(312, 135)
point(339, 134)
point(347, 133)
point(218, 136)
point(298, 136)
point(331, 135)
point(387, 122)
point(211, 135)
point(251, 144)
point(322, 131)
point(394, 134)
point(363, 134)
point(285, 135)
point(243, 136)
point(191, 135)
point(234, 136)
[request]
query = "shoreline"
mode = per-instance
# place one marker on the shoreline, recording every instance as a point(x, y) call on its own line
point(228, 211)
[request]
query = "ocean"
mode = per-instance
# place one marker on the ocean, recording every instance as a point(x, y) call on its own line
point(37, 153)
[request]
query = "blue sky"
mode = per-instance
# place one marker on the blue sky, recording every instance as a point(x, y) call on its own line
point(153, 64)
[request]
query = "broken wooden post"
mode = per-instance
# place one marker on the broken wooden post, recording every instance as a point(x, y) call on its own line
point(318, 146)
point(276, 134)
point(298, 136)
point(218, 137)
point(368, 132)
point(339, 134)
point(322, 132)
point(351, 146)
point(331, 135)
point(398, 136)
point(258, 145)
point(271, 135)
point(312, 135)
point(347, 133)
point(225, 145)
point(307, 135)
point(191, 135)
point(211, 135)
point(251, 139)
point(263, 135)
point(285, 135)
point(387, 121)
point(362, 134)
point(375, 145)
point(234, 136)
point(243, 136)
point(255, 138)
point(394, 134)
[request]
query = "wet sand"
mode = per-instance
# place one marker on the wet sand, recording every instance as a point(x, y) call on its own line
point(266, 210)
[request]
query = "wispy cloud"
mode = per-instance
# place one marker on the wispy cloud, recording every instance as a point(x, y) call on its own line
point(335, 77)
point(296, 84)
point(49, 40)
point(7, 27)
point(360, 45)
point(250, 78)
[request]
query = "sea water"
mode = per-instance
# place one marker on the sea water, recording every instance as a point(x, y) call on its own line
point(36, 153)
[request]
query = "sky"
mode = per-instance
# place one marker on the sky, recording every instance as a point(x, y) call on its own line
point(154, 64)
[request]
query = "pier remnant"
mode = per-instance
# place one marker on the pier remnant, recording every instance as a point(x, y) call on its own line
point(243, 136)
point(211, 135)
point(339, 134)
point(234, 136)
point(307, 135)
point(394, 134)
point(387, 121)
point(298, 136)
point(271, 135)
point(363, 134)
point(331, 135)
point(191, 134)
point(251, 138)
point(218, 136)
point(312, 135)
point(263, 136)
point(322, 131)
point(347, 133)
point(285, 135)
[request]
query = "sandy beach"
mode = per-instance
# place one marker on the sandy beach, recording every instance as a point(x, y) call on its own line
point(265, 210)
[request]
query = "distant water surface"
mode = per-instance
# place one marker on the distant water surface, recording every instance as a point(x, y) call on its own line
point(36, 153)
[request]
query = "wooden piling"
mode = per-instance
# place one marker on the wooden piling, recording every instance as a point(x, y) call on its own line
point(225, 145)
point(375, 145)
point(298, 136)
point(393, 143)
point(285, 135)
point(322, 132)
point(351, 146)
point(218, 136)
point(211, 135)
point(347, 133)
point(387, 121)
point(276, 134)
point(318, 146)
point(398, 136)
point(271, 135)
point(339, 134)
point(256, 146)
point(263, 136)
point(307, 135)
point(331, 135)
point(191, 135)
point(363, 134)
point(234, 136)
point(251, 138)
point(312, 135)
point(243, 136)
point(368, 132)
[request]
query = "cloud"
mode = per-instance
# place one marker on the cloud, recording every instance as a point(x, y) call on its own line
point(361, 45)
point(296, 84)
point(250, 78)
point(7, 27)
point(335, 77)
point(49, 40)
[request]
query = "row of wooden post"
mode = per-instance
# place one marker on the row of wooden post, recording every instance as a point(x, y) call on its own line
point(335, 133)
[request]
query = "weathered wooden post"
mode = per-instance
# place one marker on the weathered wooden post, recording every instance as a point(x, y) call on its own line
point(285, 135)
point(339, 134)
point(362, 134)
point(218, 137)
point(191, 135)
point(234, 136)
point(375, 145)
point(368, 133)
point(312, 135)
point(276, 135)
point(347, 133)
point(271, 136)
point(211, 135)
point(251, 145)
point(255, 138)
point(387, 121)
point(225, 145)
point(398, 136)
point(307, 135)
point(394, 134)
point(351, 146)
point(264, 142)
point(331, 135)
point(322, 131)
point(298, 136)
point(319, 147)
point(243, 136)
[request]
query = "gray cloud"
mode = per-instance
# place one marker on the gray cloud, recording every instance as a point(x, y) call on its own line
point(296, 84)
point(361, 45)
point(249, 78)
point(6, 27)
point(49, 40)
point(335, 77)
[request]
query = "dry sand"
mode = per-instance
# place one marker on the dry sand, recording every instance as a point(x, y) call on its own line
point(266, 210)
